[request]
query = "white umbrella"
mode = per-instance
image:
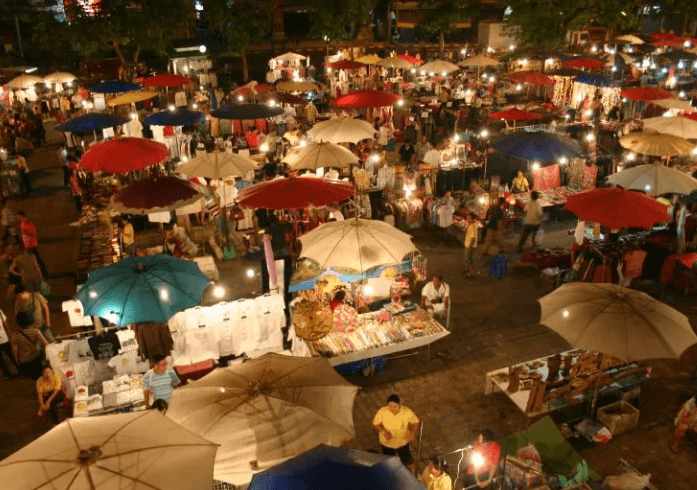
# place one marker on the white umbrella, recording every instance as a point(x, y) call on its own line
point(394, 62)
point(655, 179)
point(616, 321)
point(290, 57)
point(59, 77)
point(265, 411)
point(479, 61)
point(217, 165)
point(320, 154)
point(296, 86)
point(438, 67)
point(137, 451)
point(24, 81)
point(358, 244)
point(342, 130)
point(612, 58)
point(630, 39)
point(682, 127)
point(674, 103)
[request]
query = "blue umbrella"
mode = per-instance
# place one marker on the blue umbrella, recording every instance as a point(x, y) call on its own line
point(542, 146)
point(326, 467)
point(143, 289)
point(247, 111)
point(114, 87)
point(593, 79)
point(93, 121)
point(176, 117)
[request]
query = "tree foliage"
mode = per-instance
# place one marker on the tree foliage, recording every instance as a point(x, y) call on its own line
point(337, 19)
point(443, 15)
point(239, 22)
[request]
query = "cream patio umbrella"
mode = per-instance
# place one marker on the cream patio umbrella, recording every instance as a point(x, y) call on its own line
point(132, 97)
point(655, 179)
point(356, 244)
point(24, 81)
point(217, 165)
point(368, 59)
point(679, 126)
point(290, 57)
point(137, 451)
point(59, 77)
point(629, 39)
point(674, 103)
point(296, 86)
point(616, 321)
point(479, 61)
point(656, 144)
point(611, 59)
point(320, 154)
point(439, 67)
point(342, 130)
point(265, 411)
point(394, 62)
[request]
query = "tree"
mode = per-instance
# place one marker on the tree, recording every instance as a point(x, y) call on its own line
point(239, 23)
point(443, 15)
point(543, 23)
point(124, 27)
point(336, 20)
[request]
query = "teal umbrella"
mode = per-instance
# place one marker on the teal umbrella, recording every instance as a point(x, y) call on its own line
point(143, 289)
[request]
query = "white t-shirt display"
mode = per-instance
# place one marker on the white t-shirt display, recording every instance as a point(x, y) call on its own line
point(127, 339)
point(76, 313)
point(126, 363)
point(3, 334)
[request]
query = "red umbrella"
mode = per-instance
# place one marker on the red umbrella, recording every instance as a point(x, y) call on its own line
point(295, 193)
point(166, 80)
point(345, 65)
point(646, 93)
point(583, 63)
point(515, 115)
point(617, 208)
point(366, 98)
point(671, 43)
point(662, 35)
point(123, 155)
point(410, 59)
point(156, 195)
point(259, 88)
point(531, 77)
point(287, 98)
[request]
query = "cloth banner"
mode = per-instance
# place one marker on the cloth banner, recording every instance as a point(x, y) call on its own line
point(590, 174)
point(547, 178)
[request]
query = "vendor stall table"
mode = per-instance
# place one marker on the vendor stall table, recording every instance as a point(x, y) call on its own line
point(498, 381)
point(10, 181)
point(99, 247)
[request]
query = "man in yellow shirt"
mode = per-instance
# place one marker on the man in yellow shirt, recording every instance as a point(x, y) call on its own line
point(128, 236)
point(397, 426)
point(470, 243)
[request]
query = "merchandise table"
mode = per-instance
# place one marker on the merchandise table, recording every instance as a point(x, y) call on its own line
point(627, 375)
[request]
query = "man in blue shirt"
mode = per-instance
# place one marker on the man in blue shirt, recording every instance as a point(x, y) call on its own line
point(159, 381)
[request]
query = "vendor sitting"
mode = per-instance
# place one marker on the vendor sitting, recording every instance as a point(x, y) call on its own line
point(475, 188)
point(51, 392)
point(338, 299)
point(520, 183)
point(434, 476)
point(435, 296)
point(484, 461)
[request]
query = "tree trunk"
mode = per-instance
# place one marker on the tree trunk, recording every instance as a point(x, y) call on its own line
point(19, 38)
point(441, 43)
point(245, 68)
point(388, 30)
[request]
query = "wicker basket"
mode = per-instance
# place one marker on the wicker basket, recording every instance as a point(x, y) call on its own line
point(618, 417)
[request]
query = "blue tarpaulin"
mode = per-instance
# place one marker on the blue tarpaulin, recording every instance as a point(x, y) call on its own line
point(93, 121)
point(177, 117)
point(541, 146)
point(114, 87)
point(596, 80)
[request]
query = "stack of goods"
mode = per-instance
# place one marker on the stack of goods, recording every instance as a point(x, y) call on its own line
point(123, 392)
point(98, 248)
point(180, 244)
point(91, 214)
point(311, 320)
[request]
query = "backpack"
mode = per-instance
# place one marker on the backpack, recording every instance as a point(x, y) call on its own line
point(498, 266)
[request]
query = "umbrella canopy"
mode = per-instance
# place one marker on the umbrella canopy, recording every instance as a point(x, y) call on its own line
point(682, 127)
point(253, 88)
point(662, 35)
point(439, 66)
point(320, 154)
point(531, 77)
point(342, 130)
point(657, 144)
point(542, 146)
point(339, 469)
point(143, 289)
point(247, 111)
point(568, 72)
point(617, 208)
point(594, 79)
point(674, 103)
point(94, 121)
point(266, 410)
point(289, 57)
point(655, 179)
point(629, 39)
point(589, 63)
point(131, 97)
point(619, 322)
point(646, 93)
point(668, 43)
point(369, 59)
point(394, 62)
point(412, 60)
point(114, 87)
point(133, 450)
point(295, 193)
point(59, 77)
point(217, 165)
point(24, 81)
point(288, 98)
point(345, 65)
point(166, 80)
point(515, 115)
point(480, 60)
point(156, 195)
point(357, 244)
point(123, 155)
point(365, 99)
point(296, 86)
point(618, 59)
point(177, 117)
point(678, 55)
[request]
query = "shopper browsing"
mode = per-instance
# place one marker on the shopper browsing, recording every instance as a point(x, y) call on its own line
point(397, 426)
point(159, 382)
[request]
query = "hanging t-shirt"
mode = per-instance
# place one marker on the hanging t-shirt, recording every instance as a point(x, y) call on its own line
point(105, 345)
point(76, 313)
point(127, 340)
point(3, 334)
point(202, 344)
point(126, 363)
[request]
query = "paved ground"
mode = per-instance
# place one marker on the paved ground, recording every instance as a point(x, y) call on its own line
point(494, 324)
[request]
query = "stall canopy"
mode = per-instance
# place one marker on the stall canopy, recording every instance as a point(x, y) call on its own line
point(295, 193)
point(645, 93)
point(595, 80)
point(123, 155)
point(629, 39)
point(320, 154)
point(618, 59)
point(339, 469)
point(132, 450)
point(247, 111)
point(682, 127)
point(59, 77)
point(166, 80)
point(479, 61)
point(541, 146)
point(588, 63)
point(531, 77)
point(620, 322)
point(567, 72)
point(366, 99)
point(342, 130)
point(289, 57)
point(515, 114)
point(266, 411)
point(131, 97)
point(297, 86)
point(217, 165)
point(412, 60)
point(94, 121)
point(394, 62)
point(674, 103)
point(655, 179)
point(675, 56)
point(439, 66)
point(253, 88)
point(369, 59)
point(657, 144)
point(345, 65)
point(24, 81)
point(177, 117)
point(143, 289)
point(156, 195)
point(114, 87)
point(617, 208)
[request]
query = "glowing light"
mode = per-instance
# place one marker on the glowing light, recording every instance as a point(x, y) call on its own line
point(422, 72)
point(463, 51)
point(368, 290)
point(164, 295)
point(519, 87)
point(218, 291)
point(69, 84)
point(588, 113)
point(594, 49)
point(694, 150)
point(375, 158)
point(653, 66)
point(302, 143)
point(512, 47)
point(272, 103)
point(482, 200)
point(490, 49)
point(590, 137)
point(477, 460)
point(563, 160)
point(93, 294)
point(400, 102)
point(134, 116)
point(413, 70)
point(681, 65)
point(329, 69)
point(263, 148)
point(549, 61)
point(687, 44)
point(456, 138)
point(631, 157)
point(47, 84)
point(484, 133)
point(567, 116)
point(202, 48)
point(647, 187)
point(240, 98)
point(185, 159)
point(681, 94)
point(614, 68)
point(250, 272)
point(624, 99)
point(407, 192)
point(565, 313)
point(524, 61)
point(171, 107)
point(90, 105)
point(492, 79)
point(536, 166)
point(430, 73)
point(444, 73)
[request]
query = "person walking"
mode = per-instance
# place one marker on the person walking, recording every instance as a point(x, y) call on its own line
point(159, 381)
point(397, 426)
point(532, 221)
point(6, 347)
point(494, 227)
point(76, 190)
point(30, 239)
point(26, 267)
point(36, 306)
point(23, 170)
point(470, 244)
point(25, 347)
point(128, 237)
point(62, 154)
